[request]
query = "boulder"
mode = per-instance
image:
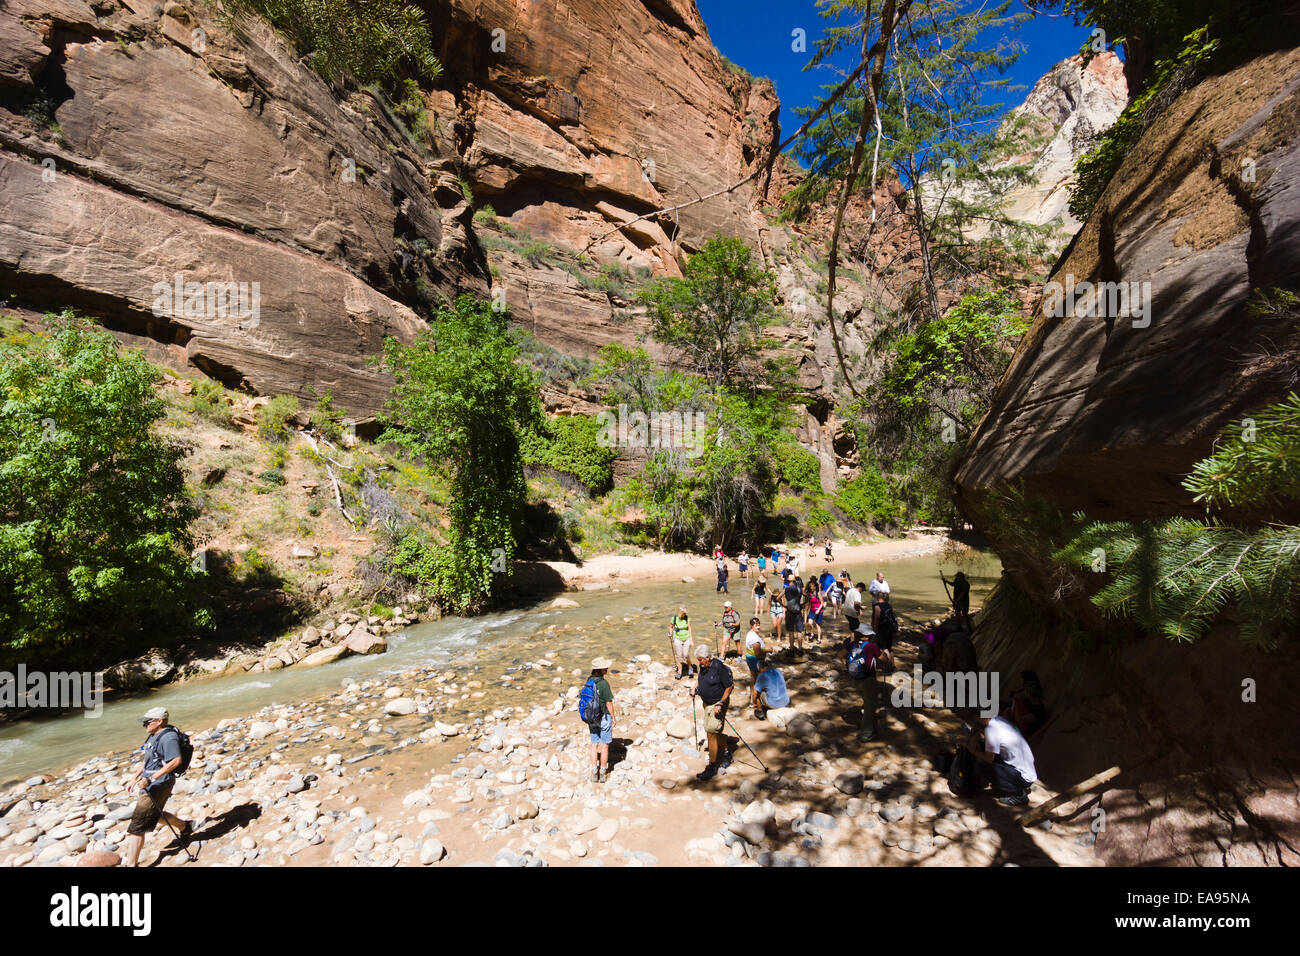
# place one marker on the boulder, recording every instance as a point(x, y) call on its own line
point(99, 858)
point(148, 669)
point(679, 727)
point(400, 707)
point(326, 655)
point(362, 641)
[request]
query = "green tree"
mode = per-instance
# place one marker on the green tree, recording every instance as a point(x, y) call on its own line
point(94, 514)
point(714, 318)
point(460, 401)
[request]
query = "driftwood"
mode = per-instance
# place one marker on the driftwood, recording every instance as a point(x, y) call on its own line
point(1078, 790)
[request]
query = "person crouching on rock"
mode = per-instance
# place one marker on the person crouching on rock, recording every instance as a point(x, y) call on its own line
point(769, 690)
point(1003, 758)
point(714, 689)
point(602, 738)
point(162, 755)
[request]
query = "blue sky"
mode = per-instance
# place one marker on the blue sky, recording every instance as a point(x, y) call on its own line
point(757, 35)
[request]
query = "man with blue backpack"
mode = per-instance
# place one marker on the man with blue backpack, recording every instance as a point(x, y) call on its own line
point(167, 754)
point(596, 708)
point(859, 656)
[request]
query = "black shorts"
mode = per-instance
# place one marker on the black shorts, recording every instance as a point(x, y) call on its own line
point(148, 809)
point(794, 622)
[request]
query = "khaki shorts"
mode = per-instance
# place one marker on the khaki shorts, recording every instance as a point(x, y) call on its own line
point(148, 808)
point(682, 651)
point(714, 724)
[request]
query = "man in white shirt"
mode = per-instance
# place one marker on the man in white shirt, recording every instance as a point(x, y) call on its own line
point(853, 606)
point(1004, 759)
point(879, 590)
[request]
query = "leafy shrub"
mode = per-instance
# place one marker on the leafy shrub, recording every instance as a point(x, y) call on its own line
point(272, 477)
point(273, 418)
point(570, 444)
point(209, 402)
point(799, 468)
point(94, 516)
point(868, 498)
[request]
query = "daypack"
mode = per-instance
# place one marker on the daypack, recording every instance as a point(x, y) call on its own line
point(861, 661)
point(888, 626)
point(961, 775)
point(187, 750)
point(590, 707)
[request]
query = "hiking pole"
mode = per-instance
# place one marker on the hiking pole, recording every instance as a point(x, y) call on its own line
point(695, 727)
point(162, 815)
point(746, 743)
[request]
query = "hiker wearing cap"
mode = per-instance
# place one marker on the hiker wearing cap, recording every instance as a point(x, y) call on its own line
point(162, 756)
point(603, 736)
point(769, 690)
point(858, 655)
point(714, 689)
point(683, 639)
point(731, 625)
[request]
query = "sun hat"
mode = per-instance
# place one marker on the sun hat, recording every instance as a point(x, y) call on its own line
point(601, 664)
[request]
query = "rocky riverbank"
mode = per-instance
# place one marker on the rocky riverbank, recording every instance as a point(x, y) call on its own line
point(378, 774)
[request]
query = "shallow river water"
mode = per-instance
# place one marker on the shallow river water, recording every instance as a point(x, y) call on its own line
point(490, 654)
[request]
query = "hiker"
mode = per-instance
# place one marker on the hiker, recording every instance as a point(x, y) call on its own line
point(792, 561)
point(770, 691)
point(162, 756)
point(815, 605)
point(755, 651)
point(812, 546)
point(829, 556)
point(794, 614)
point(683, 639)
point(762, 563)
point(717, 552)
point(833, 596)
point(777, 609)
point(886, 629)
point(879, 591)
point(602, 734)
point(853, 606)
point(1003, 758)
point(960, 597)
point(731, 625)
point(859, 655)
point(760, 594)
point(714, 689)
point(742, 562)
point(722, 576)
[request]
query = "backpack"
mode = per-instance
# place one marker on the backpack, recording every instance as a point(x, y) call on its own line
point(590, 707)
point(187, 750)
point(961, 775)
point(861, 661)
point(888, 627)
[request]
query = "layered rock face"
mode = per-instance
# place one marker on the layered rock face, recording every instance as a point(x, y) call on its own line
point(1107, 404)
point(148, 149)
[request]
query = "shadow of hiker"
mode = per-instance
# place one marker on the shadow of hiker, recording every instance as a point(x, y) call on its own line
point(618, 750)
point(214, 828)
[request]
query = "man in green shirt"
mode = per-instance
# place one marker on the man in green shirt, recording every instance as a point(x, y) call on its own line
point(600, 740)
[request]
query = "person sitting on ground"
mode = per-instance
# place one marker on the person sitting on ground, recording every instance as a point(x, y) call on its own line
point(794, 614)
point(601, 739)
point(731, 626)
point(770, 691)
point(1003, 758)
point(858, 655)
point(683, 639)
point(162, 755)
point(755, 650)
point(1026, 709)
point(714, 689)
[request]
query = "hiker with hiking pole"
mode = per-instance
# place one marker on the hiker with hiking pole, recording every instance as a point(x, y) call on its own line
point(714, 689)
point(164, 757)
point(959, 595)
point(682, 637)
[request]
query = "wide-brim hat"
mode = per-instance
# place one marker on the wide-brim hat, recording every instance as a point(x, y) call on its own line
point(601, 664)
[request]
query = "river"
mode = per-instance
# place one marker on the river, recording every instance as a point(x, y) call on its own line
point(493, 648)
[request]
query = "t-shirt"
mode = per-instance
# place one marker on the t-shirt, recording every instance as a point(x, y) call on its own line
point(878, 588)
point(604, 692)
point(1003, 739)
point(753, 642)
point(772, 684)
point(793, 598)
point(760, 589)
point(714, 679)
point(826, 580)
point(159, 750)
point(851, 601)
point(743, 559)
point(731, 620)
